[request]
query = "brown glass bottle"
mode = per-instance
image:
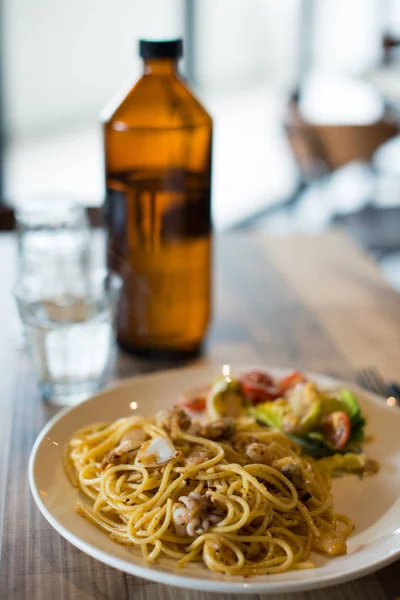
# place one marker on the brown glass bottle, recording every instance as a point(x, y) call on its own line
point(158, 170)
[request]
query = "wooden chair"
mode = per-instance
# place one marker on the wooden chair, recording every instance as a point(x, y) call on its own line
point(320, 149)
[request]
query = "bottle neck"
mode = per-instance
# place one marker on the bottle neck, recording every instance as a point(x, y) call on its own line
point(160, 66)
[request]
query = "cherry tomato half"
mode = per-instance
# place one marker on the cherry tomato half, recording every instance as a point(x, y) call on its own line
point(337, 428)
point(290, 381)
point(197, 404)
point(258, 387)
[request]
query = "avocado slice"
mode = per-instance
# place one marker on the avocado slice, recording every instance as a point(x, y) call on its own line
point(225, 399)
point(343, 400)
point(270, 413)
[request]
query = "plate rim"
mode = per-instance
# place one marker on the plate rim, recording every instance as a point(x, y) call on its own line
point(233, 586)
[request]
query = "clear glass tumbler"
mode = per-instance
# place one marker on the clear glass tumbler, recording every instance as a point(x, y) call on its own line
point(70, 337)
point(53, 236)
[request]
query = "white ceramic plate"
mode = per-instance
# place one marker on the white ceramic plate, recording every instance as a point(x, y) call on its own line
point(373, 504)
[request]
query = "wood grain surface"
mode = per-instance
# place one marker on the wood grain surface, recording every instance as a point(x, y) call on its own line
point(316, 303)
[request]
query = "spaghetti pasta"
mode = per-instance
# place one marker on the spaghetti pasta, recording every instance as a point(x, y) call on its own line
point(234, 495)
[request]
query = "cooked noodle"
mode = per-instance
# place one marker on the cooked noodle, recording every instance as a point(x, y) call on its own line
point(208, 502)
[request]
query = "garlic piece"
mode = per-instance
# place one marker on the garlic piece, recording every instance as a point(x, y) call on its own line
point(156, 452)
point(136, 434)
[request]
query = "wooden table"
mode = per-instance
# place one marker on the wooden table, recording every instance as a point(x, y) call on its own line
point(315, 303)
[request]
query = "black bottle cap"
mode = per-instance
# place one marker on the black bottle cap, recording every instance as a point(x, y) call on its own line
point(161, 49)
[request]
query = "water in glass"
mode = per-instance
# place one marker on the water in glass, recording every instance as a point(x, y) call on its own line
point(70, 338)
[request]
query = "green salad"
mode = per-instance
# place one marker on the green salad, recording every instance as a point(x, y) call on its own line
point(327, 424)
point(323, 423)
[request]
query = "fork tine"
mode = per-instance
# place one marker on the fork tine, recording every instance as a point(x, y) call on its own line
point(373, 381)
point(379, 381)
point(361, 378)
point(365, 381)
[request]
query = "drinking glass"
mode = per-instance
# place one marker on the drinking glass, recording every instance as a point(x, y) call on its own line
point(70, 336)
point(53, 237)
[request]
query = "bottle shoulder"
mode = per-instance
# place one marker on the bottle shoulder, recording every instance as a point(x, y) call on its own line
point(158, 102)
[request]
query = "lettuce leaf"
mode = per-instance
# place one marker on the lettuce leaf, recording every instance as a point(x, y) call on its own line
point(269, 413)
point(309, 434)
point(357, 430)
point(314, 445)
point(351, 406)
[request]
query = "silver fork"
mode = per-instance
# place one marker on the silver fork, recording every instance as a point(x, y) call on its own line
point(370, 379)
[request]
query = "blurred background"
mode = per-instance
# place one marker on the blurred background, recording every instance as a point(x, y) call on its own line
point(305, 96)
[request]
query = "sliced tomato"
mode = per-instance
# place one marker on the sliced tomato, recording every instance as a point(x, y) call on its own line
point(337, 428)
point(258, 387)
point(197, 404)
point(290, 381)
